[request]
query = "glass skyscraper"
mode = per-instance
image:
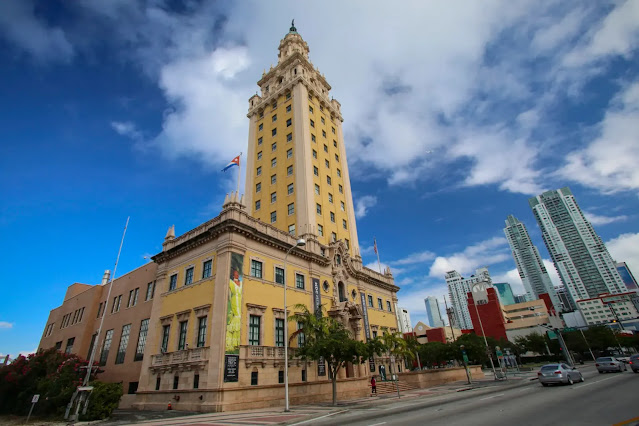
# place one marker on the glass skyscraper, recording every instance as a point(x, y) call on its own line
point(433, 312)
point(580, 256)
point(505, 292)
point(531, 269)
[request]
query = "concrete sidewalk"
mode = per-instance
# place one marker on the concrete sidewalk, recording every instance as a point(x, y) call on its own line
point(304, 414)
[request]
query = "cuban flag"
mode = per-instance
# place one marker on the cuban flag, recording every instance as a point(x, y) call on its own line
point(234, 162)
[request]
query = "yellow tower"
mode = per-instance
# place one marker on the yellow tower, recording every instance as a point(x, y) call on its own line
point(297, 175)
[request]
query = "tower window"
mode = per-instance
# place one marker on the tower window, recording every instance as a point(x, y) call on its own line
point(327, 164)
point(323, 132)
point(335, 143)
point(312, 123)
point(290, 188)
point(258, 204)
point(273, 146)
point(323, 121)
point(289, 153)
point(274, 118)
point(289, 170)
point(291, 208)
point(333, 237)
point(318, 207)
point(320, 230)
point(259, 170)
point(325, 148)
point(261, 114)
point(273, 197)
point(274, 104)
point(314, 154)
point(332, 217)
point(341, 189)
point(341, 203)
point(259, 155)
point(348, 245)
point(273, 179)
point(321, 109)
point(328, 180)
point(273, 217)
point(259, 140)
point(317, 189)
point(291, 229)
point(330, 198)
point(288, 107)
point(289, 122)
point(315, 171)
point(289, 137)
point(336, 157)
point(344, 223)
point(260, 127)
point(288, 96)
point(310, 109)
point(273, 132)
point(258, 187)
point(333, 130)
point(339, 173)
point(274, 162)
point(312, 137)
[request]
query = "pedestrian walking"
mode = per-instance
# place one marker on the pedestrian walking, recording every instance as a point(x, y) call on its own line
point(373, 386)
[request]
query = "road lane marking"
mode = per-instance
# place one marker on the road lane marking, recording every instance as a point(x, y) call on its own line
point(595, 382)
point(317, 418)
point(376, 424)
point(626, 422)
point(493, 396)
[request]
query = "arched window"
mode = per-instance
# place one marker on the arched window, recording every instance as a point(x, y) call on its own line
point(338, 259)
point(342, 292)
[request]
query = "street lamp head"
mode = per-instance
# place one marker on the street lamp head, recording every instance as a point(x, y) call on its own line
point(301, 242)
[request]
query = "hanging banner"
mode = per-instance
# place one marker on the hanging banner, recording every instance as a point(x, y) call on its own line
point(234, 306)
point(231, 373)
point(317, 298)
point(367, 331)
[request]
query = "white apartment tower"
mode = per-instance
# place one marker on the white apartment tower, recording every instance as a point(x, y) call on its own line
point(404, 321)
point(531, 269)
point(580, 256)
point(458, 289)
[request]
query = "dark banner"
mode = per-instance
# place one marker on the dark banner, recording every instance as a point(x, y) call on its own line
point(231, 373)
point(317, 298)
point(367, 330)
point(371, 364)
point(321, 367)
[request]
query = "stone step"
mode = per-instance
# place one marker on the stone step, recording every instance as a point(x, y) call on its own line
point(391, 387)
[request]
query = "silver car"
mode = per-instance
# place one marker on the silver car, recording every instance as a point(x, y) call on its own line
point(609, 363)
point(559, 374)
point(634, 363)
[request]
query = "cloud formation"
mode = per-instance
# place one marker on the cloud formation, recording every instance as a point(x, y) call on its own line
point(5, 324)
point(597, 219)
point(625, 248)
point(362, 204)
point(484, 253)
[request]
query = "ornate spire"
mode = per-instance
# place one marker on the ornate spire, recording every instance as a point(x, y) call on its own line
point(292, 29)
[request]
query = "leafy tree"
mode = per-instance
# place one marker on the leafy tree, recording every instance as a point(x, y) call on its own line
point(396, 346)
point(433, 353)
point(327, 338)
point(412, 345)
point(104, 398)
point(533, 342)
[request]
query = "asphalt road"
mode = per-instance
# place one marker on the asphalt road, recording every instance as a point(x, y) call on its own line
point(603, 399)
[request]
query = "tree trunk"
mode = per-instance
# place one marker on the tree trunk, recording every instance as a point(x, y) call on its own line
point(334, 383)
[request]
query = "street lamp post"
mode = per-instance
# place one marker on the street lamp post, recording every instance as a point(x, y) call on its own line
point(299, 243)
point(481, 326)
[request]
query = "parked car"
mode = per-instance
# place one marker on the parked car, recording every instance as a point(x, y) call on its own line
point(605, 364)
point(634, 363)
point(559, 374)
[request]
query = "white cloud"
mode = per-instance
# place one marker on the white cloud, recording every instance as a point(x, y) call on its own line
point(5, 324)
point(597, 219)
point(625, 248)
point(127, 129)
point(512, 277)
point(609, 162)
point(415, 258)
point(484, 253)
point(362, 204)
point(22, 28)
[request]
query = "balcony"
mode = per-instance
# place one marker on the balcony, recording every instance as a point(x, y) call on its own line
point(182, 360)
point(266, 355)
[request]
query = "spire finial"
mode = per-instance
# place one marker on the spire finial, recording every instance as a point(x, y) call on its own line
point(293, 29)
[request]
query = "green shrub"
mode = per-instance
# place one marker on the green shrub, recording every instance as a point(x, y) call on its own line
point(105, 398)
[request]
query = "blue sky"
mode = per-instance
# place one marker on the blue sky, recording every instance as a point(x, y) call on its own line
point(454, 116)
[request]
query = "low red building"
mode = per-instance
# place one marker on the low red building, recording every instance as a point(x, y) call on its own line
point(490, 312)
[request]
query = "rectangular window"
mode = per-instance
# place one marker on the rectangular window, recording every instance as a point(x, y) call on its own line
point(201, 332)
point(388, 306)
point(289, 170)
point(173, 282)
point(314, 154)
point(344, 223)
point(273, 132)
point(70, 343)
point(259, 171)
point(330, 198)
point(256, 269)
point(279, 275)
point(182, 335)
point(188, 278)
point(274, 103)
point(139, 349)
point(279, 332)
point(318, 208)
point(341, 204)
point(274, 162)
point(105, 347)
point(348, 244)
point(91, 345)
point(274, 118)
point(280, 376)
point(328, 180)
point(273, 146)
point(312, 137)
point(259, 155)
point(289, 122)
point(291, 208)
point(254, 378)
point(310, 109)
point(310, 97)
point(258, 204)
point(288, 108)
point(150, 291)
point(289, 154)
point(288, 96)
point(158, 380)
point(304, 375)
point(259, 140)
point(315, 171)
point(206, 268)
point(196, 381)
point(333, 237)
point(332, 217)
point(320, 230)
point(327, 164)
point(379, 303)
point(291, 229)
point(259, 128)
point(99, 310)
point(300, 336)
point(273, 179)
point(130, 303)
point(273, 197)
point(299, 281)
point(258, 187)
point(317, 189)
point(273, 217)
point(289, 137)
point(333, 129)
point(370, 300)
point(254, 330)
point(117, 301)
point(289, 188)
point(176, 381)
point(166, 331)
point(124, 342)
point(341, 189)
point(325, 148)
point(312, 123)
point(323, 132)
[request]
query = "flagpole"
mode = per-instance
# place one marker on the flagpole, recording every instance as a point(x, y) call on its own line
point(379, 264)
point(239, 173)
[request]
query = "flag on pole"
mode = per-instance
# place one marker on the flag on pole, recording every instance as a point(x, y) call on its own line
point(375, 246)
point(234, 162)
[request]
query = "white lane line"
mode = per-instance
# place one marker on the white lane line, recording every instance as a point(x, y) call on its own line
point(492, 396)
point(376, 424)
point(317, 418)
point(594, 383)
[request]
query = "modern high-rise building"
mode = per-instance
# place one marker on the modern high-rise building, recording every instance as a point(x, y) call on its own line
point(580, 256)
point(566, 301)
point(627, 277)
point(433, 312)
point(531, 269)
point(404, 320)
point(458, 288)
point(297, 178)
point(505, 292)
